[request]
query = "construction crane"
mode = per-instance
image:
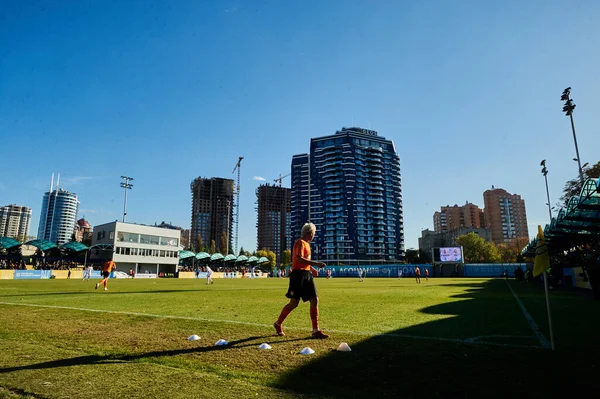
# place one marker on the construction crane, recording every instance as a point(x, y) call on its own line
point(236, 192)
point(280, 179)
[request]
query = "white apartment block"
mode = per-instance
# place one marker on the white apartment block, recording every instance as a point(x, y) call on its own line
point(15, 221)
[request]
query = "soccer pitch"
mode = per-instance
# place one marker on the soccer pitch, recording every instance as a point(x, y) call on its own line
point(441, 338)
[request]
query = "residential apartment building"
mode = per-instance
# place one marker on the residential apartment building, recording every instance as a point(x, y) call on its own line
point(349, 186)
point(15, 221)
point(212, 212)
point(505, 215)
point(58, 216)
point(274, 219)
point(453, 217)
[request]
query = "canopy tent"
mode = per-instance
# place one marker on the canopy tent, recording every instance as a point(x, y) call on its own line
point(74, 246)
point(216, 257)
point(186, 254)
point(8, 243)
point(262, 260)
point(252, 260)
point(242, 259)
point(229, 258)
point(202, 256)
point(43, 245)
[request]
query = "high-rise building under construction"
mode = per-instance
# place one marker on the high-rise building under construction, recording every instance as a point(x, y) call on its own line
point(274, 219)
point(212, 213)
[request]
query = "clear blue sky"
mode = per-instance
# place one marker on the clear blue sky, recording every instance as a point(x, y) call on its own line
point(168, 91)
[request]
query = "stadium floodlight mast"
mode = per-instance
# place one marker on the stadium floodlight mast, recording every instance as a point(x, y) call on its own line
point(545, 173)
point(568, 110)
point(126, 186)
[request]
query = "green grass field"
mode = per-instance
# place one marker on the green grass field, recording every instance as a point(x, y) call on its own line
point(444, 338)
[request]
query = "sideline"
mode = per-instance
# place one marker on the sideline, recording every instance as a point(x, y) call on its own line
point(536, 330)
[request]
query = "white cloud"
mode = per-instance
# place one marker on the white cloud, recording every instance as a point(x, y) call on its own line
point(231, 9)
point(72, 181)
point(259, 178)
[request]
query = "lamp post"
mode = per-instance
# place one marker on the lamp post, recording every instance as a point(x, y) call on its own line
point(545, 173)
point(568, 110)
point(126, 186)
point(545, 274)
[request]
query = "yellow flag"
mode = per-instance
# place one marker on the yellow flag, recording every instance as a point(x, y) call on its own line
point(542, 260)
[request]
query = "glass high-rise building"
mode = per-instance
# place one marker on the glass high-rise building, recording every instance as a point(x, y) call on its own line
point(58, 216)
point(355, 196)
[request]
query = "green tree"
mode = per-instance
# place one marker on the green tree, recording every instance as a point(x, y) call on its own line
point(223, 244)
point(511, 252)
point(477, 250)
point(241, 251)
point(269, 255)
point(286, 258)
point(213, 247)
point(413, 256)
point(573, 187)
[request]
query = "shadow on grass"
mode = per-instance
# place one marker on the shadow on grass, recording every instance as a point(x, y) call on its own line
point(106, 359)
point(395, 366)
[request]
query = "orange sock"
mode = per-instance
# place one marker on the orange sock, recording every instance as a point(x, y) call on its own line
point(314, 317)
point(284, 313)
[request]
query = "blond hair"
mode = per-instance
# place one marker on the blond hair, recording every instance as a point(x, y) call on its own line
point(308, 228)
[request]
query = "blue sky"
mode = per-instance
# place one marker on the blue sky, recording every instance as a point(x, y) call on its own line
point(164, 92)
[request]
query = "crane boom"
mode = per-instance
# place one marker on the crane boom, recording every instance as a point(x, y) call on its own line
point(236, 192)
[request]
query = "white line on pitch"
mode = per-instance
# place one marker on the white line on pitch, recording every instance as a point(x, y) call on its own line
point(536, 330)
point(365, 333)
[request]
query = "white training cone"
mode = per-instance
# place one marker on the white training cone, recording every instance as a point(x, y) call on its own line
point(221, 342)
point(307, 351)
point(264, 346)
point(344, 347)
point(193, 338)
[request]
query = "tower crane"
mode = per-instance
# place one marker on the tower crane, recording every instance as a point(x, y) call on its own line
point(280, 179)
point(236, 192)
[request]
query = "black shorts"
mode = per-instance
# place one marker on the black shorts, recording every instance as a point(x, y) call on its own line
point(302, 285)
point(105, 274)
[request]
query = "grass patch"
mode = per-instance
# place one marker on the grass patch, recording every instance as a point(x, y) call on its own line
point(442, 338)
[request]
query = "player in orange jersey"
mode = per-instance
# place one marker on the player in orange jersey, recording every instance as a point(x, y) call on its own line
point(109, 266)
point(302, 284)
point(418, 274)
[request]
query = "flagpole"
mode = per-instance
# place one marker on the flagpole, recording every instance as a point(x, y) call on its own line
point(548, 309)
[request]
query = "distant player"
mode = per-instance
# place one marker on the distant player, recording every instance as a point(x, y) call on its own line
point(130, 272)
point(87, 273)
point(360, 274)
point(209, 273)
point(399, 273)
point(328, 273)
point(426, 274)
point(109, 266)
point(302, 284)
point(417, 274)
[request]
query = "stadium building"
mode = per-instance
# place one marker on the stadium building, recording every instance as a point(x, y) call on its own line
point(150, 251)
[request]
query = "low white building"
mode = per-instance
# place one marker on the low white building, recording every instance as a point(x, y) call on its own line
point(148, 250)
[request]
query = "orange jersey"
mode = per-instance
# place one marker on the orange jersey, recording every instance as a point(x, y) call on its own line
point(109, 266)
point(417, 271)
point(427, 272)
point(301, 248)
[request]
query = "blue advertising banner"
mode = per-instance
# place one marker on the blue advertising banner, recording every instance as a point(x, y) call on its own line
point(373, 270)
point(492, 269)
point(32, 274)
